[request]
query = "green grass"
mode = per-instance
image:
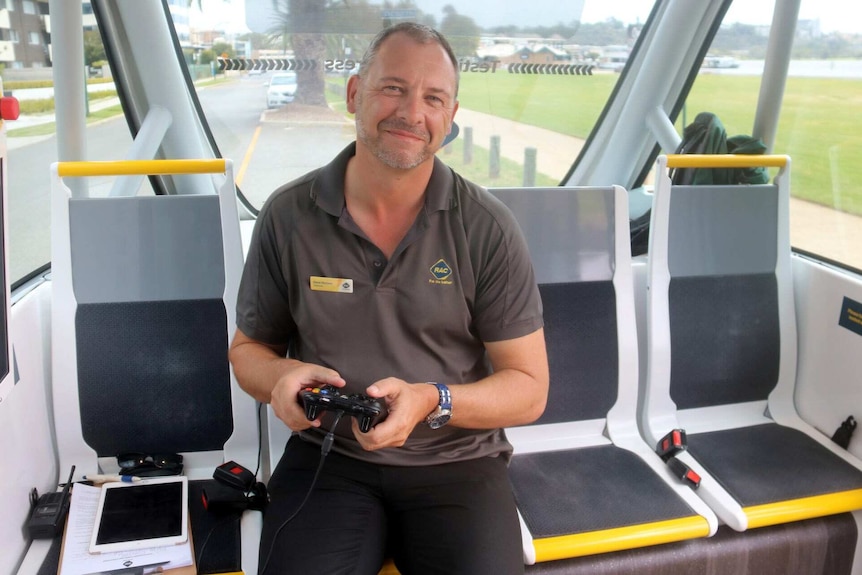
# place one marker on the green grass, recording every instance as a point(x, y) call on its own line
point(25, 84)
point(820, 126)
point(820, 129)
point(46, 105)
point(511, 173)
point(565, 104)
point(49, 128)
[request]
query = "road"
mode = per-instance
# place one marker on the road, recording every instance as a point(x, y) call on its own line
point(29, 185)
point(235, 114)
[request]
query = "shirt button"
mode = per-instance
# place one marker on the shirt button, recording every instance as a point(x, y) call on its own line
point(378, 263)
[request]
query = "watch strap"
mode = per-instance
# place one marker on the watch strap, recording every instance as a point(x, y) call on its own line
point(445, 401)
point(443, 412)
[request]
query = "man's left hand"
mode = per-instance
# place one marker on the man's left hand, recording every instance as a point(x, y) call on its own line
point(407, 404)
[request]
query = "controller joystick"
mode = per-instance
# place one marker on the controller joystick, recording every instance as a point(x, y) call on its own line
point(367, 410)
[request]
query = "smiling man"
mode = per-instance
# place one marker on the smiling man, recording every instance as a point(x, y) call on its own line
point(415, 102)
point(385, 273)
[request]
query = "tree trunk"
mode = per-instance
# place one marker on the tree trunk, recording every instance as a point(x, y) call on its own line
point(309, 49)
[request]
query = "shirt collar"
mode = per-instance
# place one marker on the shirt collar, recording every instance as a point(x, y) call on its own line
point(327, 189)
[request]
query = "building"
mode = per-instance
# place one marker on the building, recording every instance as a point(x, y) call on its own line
point(88, 16)
point(537, 54)
point(25, 34)
point(180, 13)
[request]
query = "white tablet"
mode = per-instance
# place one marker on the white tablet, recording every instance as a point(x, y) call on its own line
point(148, 513)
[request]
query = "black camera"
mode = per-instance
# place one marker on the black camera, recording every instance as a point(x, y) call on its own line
point(236, 488)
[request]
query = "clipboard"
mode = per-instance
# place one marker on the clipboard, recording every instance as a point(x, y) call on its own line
point(75, 558)
point(186, 570)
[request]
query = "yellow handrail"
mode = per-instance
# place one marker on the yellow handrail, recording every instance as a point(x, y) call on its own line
point(725, 160)
point(140, 167)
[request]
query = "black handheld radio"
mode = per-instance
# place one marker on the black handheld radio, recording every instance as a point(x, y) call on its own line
point(49, 512)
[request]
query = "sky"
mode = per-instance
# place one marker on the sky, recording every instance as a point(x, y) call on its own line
point(834, 15)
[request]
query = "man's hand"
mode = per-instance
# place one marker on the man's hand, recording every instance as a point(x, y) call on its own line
point(285, 394)
point(408, 404)
point(264, 372)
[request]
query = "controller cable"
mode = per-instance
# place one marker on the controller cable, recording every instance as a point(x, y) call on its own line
point(324, 451)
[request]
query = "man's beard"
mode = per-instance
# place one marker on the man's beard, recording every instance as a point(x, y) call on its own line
point(399, 158)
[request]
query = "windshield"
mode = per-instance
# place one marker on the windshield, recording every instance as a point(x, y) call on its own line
point(536, 79)
point(533, 81)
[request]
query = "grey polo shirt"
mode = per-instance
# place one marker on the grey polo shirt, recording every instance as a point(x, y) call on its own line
point(461, 276)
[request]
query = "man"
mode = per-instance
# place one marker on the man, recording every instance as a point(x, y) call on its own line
point(379, 273)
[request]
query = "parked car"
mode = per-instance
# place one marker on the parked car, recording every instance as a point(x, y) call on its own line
point(281, 89)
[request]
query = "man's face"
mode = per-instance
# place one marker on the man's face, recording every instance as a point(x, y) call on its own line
point(405, 102)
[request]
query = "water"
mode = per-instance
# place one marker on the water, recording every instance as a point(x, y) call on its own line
point(798, 68)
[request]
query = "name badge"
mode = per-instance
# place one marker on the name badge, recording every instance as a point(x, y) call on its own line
point(336, 285)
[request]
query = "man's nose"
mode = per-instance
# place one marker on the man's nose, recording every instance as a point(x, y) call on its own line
point(410, 107)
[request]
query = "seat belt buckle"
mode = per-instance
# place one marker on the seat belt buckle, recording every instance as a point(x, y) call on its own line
point(671, 444)
point(684, 472)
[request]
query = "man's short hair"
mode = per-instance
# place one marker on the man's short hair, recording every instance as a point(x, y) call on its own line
point(419, 33)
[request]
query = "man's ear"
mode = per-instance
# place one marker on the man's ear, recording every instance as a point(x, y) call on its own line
point(352, 88)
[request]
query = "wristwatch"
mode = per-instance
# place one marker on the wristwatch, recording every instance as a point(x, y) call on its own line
point(440, 416)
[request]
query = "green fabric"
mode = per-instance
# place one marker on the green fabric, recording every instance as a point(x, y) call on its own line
point(747, 145)
point(706, 135)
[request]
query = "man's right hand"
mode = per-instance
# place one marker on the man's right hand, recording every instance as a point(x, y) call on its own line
point(285, 400)
point(264, 372)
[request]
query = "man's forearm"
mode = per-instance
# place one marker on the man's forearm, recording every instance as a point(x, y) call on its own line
point(505, 399)
point(256, 366)
point(515, 394)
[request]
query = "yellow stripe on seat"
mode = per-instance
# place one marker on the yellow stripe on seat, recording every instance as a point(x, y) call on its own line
point(389, 568)
point(725, 161)
point(803, 508)
point(140, 167)
point(606, 540)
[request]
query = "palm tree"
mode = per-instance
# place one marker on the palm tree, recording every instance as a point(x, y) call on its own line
point(303, 21)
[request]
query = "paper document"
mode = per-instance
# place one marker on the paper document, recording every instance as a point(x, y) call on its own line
point(76, 558)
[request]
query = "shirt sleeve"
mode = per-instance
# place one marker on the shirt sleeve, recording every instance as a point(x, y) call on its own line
point(263, 300)
point(508, 304)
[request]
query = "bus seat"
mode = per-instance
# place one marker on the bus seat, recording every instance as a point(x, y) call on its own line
point(144, 292)
point(721, 350)
point(818, 546)
point(584, 480)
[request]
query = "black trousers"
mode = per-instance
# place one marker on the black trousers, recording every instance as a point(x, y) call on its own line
point(457, 518)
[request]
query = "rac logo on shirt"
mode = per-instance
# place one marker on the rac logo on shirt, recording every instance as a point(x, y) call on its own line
point(441, 272)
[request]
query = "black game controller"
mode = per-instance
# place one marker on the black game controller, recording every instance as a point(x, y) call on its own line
point(367, 410)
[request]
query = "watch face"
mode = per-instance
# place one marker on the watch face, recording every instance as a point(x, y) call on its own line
point(439, 420)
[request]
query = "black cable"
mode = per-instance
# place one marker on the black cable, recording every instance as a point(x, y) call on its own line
point(250, 490)
point(259, 436)
point(324, 451)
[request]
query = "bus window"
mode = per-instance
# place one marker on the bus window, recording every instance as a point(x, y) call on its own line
point(534, 79)
point(820, 125)
point(32, 143)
